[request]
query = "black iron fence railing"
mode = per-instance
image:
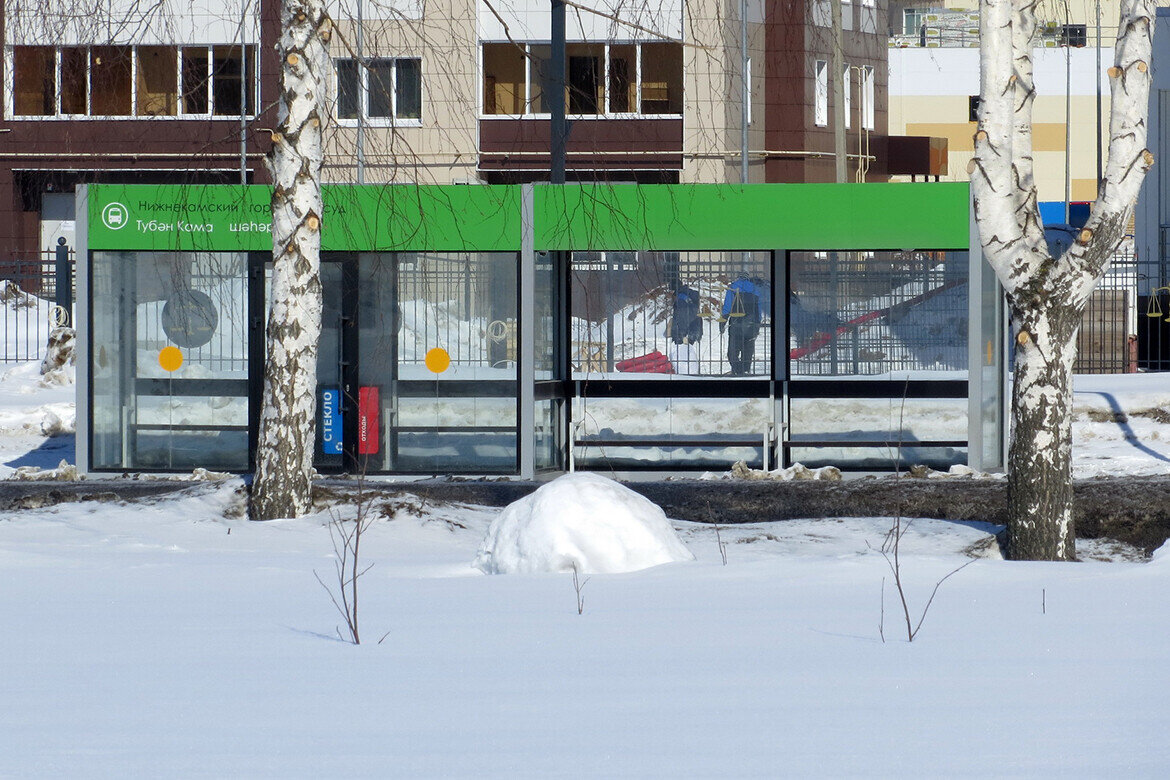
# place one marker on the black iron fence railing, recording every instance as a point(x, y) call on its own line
point(36, 295)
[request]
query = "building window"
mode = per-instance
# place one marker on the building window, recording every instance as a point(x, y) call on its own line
point(585, 72)
point(973, 108)
point(602, 79)
point(157, 75)
point(34, 79)
point(747, 76)
point(386, 89)
point(822, 13)
point(868, 96)
point(847, 96)
point(110, 76)
point(914, 18)
point(218, 80)
point(133, 81)
point(622, 92)
point(229, 74)
point(821, 94)
point(1073, 35)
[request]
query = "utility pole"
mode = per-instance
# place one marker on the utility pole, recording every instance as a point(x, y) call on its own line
point(745, 91)
point(556, 103)
point(1068, 118)
point(837, 90)
point(363, 77)
point(1098, 93)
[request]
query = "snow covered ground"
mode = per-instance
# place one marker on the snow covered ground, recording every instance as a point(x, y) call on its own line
point(173, 638)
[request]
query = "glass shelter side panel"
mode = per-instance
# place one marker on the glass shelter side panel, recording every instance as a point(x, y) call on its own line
point(878, 350)
point(170, 368)
point(671, 433)
point(437, 362)
point(854, 314)
point(329, 454)
point(664, 348)
point(991, 402)
point(637, 315)
point(548, 362)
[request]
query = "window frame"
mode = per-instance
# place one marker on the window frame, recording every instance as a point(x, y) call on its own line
point(363, 71)
point(251, 76)
point(605, 105)
point(1074, 36)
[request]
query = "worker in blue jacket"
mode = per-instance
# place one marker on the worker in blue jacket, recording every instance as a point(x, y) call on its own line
point(740, 317)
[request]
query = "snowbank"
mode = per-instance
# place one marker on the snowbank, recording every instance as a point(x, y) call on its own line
point(580, 520)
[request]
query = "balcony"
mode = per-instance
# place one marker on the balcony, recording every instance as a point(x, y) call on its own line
point(594, 144)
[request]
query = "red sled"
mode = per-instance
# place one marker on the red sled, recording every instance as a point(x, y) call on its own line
point(653, 363)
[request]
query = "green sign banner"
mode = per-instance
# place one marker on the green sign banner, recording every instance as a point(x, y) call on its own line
point(400, 218)
point(756, 216)
point(487, 218)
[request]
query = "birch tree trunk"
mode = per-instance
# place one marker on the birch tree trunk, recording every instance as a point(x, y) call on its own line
point(1046, 295)
point(284, 457)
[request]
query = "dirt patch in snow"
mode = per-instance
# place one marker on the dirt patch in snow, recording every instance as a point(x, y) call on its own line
point(1133, 510)
point(1156, 414)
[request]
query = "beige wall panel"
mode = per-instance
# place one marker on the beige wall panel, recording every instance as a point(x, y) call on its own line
point(443, 149)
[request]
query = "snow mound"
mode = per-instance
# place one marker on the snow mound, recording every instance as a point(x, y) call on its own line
point(580, 520)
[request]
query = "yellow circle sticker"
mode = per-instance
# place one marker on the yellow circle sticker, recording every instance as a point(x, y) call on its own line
point(170, 358)
point(438, 360)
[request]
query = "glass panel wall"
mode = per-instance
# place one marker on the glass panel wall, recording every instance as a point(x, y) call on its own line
point(671, 433)
point(992, 385)
point(548, 363)
point(880, 434)
point(329, 454)
point(872, 313)
point(437, 363)
point(858, 317)
point(170, 361)
point(639, 315)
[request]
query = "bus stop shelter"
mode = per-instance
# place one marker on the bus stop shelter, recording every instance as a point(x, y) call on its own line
point(518, 330)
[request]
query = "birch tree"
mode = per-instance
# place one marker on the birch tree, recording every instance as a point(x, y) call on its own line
point(284, 458)
point(1046, 295)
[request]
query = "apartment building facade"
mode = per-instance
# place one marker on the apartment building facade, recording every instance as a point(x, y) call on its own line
point(654, 92)
point(432, 91)
point(125, 92)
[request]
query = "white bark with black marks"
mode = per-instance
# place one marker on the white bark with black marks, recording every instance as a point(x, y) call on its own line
point(1046, 295)
point(284, 457)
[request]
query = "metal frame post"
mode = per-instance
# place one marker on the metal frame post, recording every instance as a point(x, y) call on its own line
point(558, 129)
point(527, 355)
point(64, 282)
point(84, 328)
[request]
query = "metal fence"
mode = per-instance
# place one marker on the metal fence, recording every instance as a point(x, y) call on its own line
point(29, 297)
point(1107, 341)
point(466, 301)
